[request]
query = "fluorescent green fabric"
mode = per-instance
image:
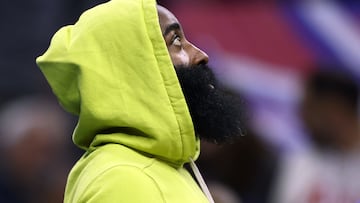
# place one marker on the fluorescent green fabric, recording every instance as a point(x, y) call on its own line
point(115, 173)
point(113, 70)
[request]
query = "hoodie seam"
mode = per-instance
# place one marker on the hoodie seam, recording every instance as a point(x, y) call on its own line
point(155, 182)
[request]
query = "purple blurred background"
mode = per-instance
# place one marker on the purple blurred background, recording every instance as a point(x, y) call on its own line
point(265, 48)
point(262, 49)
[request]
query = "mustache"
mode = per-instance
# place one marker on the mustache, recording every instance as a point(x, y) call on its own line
point(196, 78)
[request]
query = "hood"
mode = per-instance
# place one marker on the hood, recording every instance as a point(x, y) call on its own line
point(112, 69)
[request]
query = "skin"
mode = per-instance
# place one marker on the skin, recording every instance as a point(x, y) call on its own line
point(182, 52)
point(198, 84)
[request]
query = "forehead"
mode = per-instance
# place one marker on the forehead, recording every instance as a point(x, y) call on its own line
point(165, 17)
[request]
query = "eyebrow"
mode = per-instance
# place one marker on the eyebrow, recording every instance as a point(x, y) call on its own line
point(172, 27)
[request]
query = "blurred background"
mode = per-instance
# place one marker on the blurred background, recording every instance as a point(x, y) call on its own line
point(297, 64)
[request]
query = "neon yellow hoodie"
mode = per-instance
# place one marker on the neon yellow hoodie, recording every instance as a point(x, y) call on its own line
point(113, 70)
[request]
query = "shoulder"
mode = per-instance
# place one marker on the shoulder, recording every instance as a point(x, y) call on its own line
point(122, 183)
point(112, 173)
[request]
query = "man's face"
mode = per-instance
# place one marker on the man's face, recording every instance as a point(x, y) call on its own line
point(216, 114)
point(181, 51)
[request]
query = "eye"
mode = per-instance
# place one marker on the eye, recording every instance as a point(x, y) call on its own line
point(176, 40)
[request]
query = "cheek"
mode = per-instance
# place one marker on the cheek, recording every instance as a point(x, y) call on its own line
point(179, 58)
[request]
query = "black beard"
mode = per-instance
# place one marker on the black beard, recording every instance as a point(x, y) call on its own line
point(216, 113)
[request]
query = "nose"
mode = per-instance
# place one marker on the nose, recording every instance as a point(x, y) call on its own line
point(198, 56)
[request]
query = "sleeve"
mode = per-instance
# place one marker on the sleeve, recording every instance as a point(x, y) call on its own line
point(122, 184)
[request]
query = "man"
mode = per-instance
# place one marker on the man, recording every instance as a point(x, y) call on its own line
point(115, 69)
point(329, 171)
